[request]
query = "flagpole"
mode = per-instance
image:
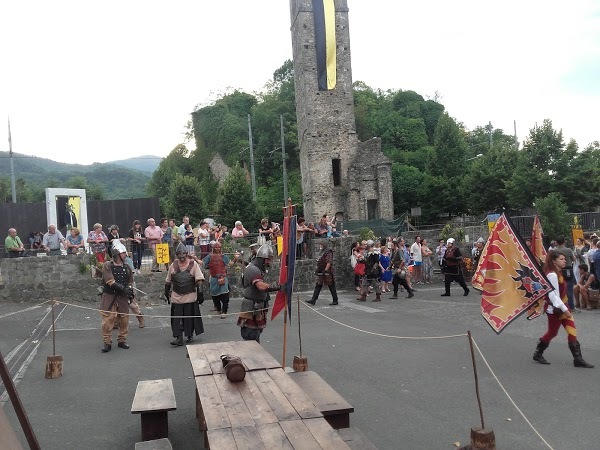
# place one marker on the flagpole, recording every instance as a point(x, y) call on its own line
point(476, 380)
point(285, 317)
point(12, 166)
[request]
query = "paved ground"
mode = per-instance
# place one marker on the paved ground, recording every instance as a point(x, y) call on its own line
point(407, 394)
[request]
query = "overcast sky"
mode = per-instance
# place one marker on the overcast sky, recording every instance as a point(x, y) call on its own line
point(87, 81)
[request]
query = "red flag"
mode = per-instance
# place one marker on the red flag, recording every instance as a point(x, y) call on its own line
point(281, 297)
point(539, 251)
point(509, 279)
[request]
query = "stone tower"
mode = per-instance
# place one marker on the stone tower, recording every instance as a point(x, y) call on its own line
point(340, 176)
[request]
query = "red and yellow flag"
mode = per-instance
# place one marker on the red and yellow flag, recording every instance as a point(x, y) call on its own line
point(509, 279)
point(539, 252)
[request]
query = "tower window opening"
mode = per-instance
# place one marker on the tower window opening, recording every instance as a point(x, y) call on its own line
point(337, 173)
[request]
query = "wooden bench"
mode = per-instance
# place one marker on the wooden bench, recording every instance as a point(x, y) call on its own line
point(155, 444)
point(355, 439)
point(153, 400)
point(332, 405)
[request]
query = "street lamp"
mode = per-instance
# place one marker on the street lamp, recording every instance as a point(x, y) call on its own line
point(475, 157)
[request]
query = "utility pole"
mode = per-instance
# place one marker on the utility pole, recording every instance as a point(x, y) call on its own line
point(516, 140)
point(491, 130)
point(253, 177)
point(285, 187)
point(12, 166)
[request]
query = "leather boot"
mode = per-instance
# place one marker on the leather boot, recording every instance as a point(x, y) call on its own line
point(363, 297)
point(377, 298)
point(178, 341)
point(142, 322)
point(578, 360)
point(410, 295)
point(539, 350)
point(106, 348)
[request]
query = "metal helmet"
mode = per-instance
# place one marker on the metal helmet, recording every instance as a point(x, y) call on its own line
point(116, 251)
point(181, 249)
point(265, 251)
point(450, 241)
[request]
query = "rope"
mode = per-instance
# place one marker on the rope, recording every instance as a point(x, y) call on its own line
point(509, 397)
point(383, 335)
point(207, 316)
point(24, 310)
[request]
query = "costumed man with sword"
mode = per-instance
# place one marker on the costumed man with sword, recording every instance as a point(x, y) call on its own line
point(117, 279)
point(255, 304)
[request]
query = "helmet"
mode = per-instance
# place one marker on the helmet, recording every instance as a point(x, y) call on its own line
point(116, 251)
point(119, 246)
point(370, 243)
point(450, 241)
point(180, 249)
point(265, 251)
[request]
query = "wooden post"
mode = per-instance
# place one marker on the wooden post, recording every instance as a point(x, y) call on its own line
point(481, 439)
point(18, 406)
point(54, 363)
point(300, 362)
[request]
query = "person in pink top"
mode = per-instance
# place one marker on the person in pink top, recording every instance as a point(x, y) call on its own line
point(154, 236)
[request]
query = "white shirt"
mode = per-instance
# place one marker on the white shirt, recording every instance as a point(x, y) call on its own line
point(415, 252)
point(554, 297)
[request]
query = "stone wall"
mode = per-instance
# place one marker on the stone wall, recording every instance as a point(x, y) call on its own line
point(37, 279)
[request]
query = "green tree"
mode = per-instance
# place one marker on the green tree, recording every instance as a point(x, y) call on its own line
point(443, 190)
point(186, 197)
point(536, 165)
point(234, 201)
point(92, 191)
point(553, 215)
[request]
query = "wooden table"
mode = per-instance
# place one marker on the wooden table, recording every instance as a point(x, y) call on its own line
point(266, 410)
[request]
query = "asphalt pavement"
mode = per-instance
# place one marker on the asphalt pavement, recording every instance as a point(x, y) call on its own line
point(407, 393)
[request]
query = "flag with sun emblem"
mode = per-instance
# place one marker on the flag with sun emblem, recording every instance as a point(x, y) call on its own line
point(508, 277)
point(539, 252)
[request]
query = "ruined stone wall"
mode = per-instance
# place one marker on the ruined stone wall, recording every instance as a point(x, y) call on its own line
point(326, 124)
point(36, 279)
point(219, 169)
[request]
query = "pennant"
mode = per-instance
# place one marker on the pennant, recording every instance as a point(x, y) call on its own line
point(508, 277)
point(539, 252)
point(325, 45)
point(281, 296)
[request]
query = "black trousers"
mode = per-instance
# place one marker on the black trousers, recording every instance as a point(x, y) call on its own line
point(221, 302)
point(332, 289)
point(186, 325)
point(396, 280)
point(448, 279)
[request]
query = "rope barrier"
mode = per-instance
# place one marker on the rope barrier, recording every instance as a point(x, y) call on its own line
point(380, 334)
point(442, 337)
point(24, 310)
point(509, 397)
point(206, 316)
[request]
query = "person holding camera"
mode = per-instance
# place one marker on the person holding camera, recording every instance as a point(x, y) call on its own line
point(183, 290)
point(117, 279)
point(324, 275)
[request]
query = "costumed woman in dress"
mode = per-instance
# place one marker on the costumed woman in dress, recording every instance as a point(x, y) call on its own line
point(386, 269)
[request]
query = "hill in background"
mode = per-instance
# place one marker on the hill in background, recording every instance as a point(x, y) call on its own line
point(116, 181)
point(146, 163)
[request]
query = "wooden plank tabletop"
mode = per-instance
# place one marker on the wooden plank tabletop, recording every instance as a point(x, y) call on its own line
point(299, 434)
point(206, 358)
point(154, 395)
point(321, 393)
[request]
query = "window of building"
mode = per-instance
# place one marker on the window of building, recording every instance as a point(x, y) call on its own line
point(337, 172)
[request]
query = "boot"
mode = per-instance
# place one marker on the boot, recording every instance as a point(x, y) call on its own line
point(363, 297)
point(410, 295)
point(106, 348)
point(178, 341)
point(311, 302)
point(539, 350)
point(142, 322)
point(578, 360)
point(377, 297)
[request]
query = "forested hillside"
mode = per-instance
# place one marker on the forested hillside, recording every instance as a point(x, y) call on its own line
point(438, 164)
point(102, 181)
